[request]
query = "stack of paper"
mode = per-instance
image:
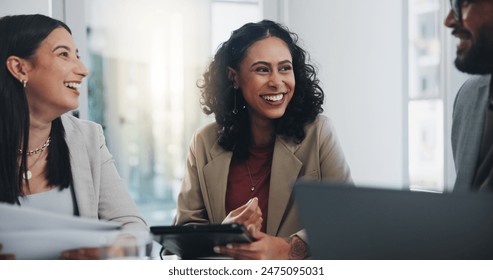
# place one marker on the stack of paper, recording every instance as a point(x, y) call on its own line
point(34, 234)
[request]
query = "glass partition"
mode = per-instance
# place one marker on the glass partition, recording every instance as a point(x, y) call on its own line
point(425, 106)
point(145, 60)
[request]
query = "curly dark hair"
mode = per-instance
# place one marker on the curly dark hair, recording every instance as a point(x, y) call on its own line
point(218, 92)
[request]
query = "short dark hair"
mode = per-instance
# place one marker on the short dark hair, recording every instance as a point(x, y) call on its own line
point(21, 35)
point(218, 91)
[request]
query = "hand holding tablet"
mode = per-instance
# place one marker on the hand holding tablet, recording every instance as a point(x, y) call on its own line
point(198, 241)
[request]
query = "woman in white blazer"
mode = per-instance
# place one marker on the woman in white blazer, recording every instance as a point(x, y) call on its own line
point(48, 159)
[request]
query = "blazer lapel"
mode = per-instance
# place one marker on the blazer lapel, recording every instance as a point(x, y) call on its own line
point(285, 169)
point(216, 179)
point(81, 171)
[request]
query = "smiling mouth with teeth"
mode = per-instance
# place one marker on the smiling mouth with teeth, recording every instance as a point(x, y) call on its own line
point(274, 98)
point(72, 85)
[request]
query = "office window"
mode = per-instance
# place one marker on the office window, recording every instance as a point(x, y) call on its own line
point(227, 16)
point(426, 106)
point(145, 59)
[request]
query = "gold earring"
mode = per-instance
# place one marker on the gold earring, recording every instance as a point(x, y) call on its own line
point(23, 82)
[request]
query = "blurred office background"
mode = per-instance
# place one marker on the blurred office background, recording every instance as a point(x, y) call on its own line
point(386, 67)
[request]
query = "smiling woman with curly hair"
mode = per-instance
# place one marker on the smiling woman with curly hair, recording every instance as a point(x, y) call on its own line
point(218, 92)
point(268, 133)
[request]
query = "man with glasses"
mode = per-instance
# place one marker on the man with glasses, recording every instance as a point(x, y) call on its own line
point(472, 129)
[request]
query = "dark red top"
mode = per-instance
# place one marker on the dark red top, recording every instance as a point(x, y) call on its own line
point(250, 178)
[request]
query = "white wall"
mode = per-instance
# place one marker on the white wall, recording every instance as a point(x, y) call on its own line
point(12, 7)
point(358, 48)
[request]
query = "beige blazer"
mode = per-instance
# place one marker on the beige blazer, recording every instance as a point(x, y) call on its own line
point(203, 192)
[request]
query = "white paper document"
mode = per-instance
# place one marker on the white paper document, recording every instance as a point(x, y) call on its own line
point(35, 234)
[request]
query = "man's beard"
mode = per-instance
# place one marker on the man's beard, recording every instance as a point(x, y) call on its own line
point(478, 59)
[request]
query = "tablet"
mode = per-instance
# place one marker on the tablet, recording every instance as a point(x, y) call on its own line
point(197, 241)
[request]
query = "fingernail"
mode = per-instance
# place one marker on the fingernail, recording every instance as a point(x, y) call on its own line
point(229, 246)
point(217, 249)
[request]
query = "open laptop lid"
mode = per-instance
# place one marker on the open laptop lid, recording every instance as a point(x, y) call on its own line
point(345, 222)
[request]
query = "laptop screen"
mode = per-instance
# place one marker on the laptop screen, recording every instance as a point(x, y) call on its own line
point(347, 222)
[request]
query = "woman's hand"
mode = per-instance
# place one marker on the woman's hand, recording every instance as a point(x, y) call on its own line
point(95, 253)
point(247, 214)
point(125, 245)
point(267, 247)
point(4, 256)
point(92, 253)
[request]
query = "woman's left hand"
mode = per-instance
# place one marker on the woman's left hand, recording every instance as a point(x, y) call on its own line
point(248, 214)
point(266, 247)
point(92, 253)
point(125, 245)
point(5, 256)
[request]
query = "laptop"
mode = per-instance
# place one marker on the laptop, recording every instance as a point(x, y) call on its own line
point(347, 222)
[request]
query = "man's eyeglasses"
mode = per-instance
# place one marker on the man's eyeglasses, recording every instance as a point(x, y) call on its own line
point(455, 5)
